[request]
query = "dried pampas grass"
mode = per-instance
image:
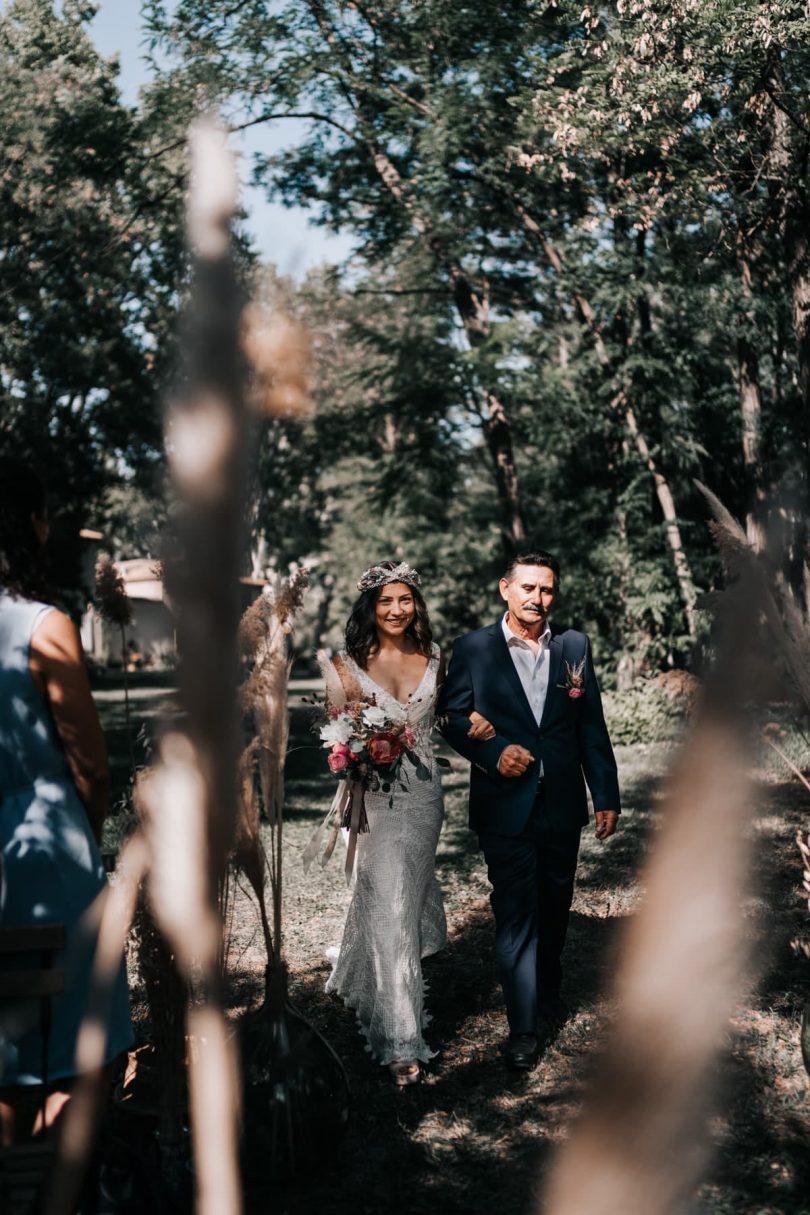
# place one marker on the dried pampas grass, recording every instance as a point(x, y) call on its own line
point(787, 621)
point(263, 639)
point(279, 352)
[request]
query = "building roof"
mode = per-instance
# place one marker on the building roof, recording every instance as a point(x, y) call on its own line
point(142, 578)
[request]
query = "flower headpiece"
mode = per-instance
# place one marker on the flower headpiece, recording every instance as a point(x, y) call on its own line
point(378, 575)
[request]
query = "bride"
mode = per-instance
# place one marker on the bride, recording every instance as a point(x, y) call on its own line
point(396, 916)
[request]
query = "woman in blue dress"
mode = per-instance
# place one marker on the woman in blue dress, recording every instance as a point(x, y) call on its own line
point(54, 785)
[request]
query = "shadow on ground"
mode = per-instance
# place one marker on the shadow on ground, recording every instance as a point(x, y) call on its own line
point(473, 1138)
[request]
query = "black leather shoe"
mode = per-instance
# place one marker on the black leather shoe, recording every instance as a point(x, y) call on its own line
point(521, 1052)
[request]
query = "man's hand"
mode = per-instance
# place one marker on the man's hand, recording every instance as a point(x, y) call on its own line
point(606, 821)
point(480, 728)
point(514, 760)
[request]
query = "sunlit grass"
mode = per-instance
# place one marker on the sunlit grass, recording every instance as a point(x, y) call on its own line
point(472, 1137)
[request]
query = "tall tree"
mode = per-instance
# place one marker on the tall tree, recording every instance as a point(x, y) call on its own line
point(90, 266)
point(697, 117)
point(575, 212)
point(399, 105)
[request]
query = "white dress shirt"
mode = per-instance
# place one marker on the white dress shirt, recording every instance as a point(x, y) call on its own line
point(532, 668)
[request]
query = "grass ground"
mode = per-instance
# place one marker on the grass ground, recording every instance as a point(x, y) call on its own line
point(472, 1138)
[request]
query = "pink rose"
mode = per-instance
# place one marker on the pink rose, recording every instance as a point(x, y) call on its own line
point(339, 758)
point(384, 748)
point(575, 693)
point(409, 737)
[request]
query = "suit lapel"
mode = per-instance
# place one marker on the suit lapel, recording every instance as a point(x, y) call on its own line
point(555, 653)
point(510, 674)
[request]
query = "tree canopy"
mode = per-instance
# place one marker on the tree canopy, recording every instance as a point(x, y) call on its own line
point(581, 283)
point(91, 267)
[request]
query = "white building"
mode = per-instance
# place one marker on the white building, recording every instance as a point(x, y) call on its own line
point(150, 638)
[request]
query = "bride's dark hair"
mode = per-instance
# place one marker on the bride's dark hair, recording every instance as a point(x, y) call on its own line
point(22, 557)
point(362, 639)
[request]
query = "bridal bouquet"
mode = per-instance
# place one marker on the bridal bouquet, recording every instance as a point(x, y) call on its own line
point(365, 744)
point(366, 748)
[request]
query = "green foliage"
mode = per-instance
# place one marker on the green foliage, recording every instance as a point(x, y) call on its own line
point(643, 713)
point(581, 232)
point(594, 185)
point(90, 269)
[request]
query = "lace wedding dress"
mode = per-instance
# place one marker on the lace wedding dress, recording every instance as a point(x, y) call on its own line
point(396, 916)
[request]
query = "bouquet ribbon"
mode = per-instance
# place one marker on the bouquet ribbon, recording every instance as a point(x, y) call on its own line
point(348, 810)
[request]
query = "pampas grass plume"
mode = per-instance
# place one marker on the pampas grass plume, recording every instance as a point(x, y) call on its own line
point(279, 352)
point(263, 632)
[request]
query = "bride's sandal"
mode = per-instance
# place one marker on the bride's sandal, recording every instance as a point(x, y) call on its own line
point(405, 1073)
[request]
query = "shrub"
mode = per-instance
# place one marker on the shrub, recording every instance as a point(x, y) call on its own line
point(644, 713)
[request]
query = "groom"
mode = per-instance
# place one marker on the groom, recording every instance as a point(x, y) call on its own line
point(544, 729)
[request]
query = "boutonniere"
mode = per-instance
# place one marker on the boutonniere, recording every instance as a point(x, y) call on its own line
point(574, 680)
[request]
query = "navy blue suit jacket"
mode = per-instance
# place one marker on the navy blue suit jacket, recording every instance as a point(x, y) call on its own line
point(571, 740)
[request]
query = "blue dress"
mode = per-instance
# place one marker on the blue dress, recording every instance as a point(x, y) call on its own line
point(51, 866)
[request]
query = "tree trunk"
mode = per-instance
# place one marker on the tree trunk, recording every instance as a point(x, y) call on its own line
point(471, 304)
point(666, 501)
point(622, 402)
point(797, 245)
point(473, 309)
point(750, 410)
point(793, 214)
point(787, 169)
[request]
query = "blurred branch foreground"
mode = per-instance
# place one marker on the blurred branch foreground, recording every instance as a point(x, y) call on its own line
point(188, 801)
point(643, 1139)
point(641, 1143)
point(190, 798)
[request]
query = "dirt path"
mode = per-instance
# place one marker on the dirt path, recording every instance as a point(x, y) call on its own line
point(473, 1138)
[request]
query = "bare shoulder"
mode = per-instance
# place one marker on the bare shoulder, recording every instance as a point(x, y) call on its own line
point(56, 637)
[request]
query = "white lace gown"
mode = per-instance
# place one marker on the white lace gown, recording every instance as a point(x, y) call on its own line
point(396, 916)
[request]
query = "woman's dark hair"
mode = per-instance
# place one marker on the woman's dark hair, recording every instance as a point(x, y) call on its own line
point(362, 639)
point(22, 556)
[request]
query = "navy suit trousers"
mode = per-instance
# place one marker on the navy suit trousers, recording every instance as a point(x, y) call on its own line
point(532, 878)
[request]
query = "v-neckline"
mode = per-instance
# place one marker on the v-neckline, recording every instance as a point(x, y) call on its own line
point(403, 704)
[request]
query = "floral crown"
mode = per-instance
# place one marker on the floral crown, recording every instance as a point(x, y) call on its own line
point(378, 575)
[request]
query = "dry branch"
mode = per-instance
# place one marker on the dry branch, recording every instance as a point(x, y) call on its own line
point(190, 798)
point(642, 1140)
point(115, 907)
point(188, 801)
point(639, 1147)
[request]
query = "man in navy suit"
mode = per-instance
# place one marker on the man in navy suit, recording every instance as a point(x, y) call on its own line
point(541, 729)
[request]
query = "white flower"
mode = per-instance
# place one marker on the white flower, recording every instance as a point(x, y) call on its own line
point(373, 716)
point(338, 731)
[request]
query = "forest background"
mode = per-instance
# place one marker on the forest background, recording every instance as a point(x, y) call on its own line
point(580, 282)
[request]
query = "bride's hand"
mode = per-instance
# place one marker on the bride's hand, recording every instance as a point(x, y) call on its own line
point(480, 729)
